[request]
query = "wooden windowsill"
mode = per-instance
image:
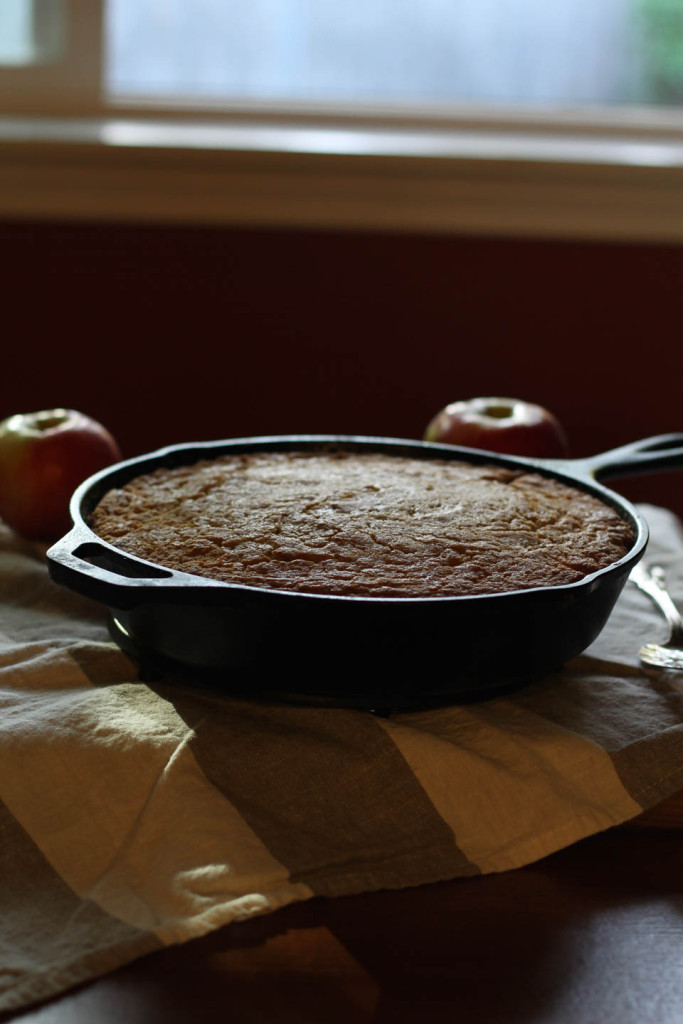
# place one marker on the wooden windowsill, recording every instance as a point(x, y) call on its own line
point(434, 179)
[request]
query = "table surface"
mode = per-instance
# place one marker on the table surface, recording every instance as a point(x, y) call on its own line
point(593, 933)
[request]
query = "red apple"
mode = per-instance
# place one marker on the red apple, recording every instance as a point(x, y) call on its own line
point(506, 425)
point(43, 458)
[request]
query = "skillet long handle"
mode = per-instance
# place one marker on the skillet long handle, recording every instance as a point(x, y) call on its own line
point(652, 454)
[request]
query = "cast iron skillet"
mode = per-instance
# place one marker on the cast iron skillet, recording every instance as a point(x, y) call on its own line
point(380, 653)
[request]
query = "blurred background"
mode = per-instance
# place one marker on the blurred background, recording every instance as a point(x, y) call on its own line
point(173, 328)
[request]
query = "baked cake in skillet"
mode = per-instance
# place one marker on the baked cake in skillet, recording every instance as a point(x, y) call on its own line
point(363, 523)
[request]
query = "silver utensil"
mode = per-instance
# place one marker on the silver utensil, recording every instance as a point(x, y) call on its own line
point(652, 581)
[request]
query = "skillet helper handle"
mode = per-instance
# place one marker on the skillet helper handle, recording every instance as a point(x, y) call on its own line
point(95, 570)
point(651, 455)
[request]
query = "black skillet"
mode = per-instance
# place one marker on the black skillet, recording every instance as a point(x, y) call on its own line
point(380, 653)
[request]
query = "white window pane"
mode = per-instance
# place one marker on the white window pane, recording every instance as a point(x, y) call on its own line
point(531, 52)
point(16, 32)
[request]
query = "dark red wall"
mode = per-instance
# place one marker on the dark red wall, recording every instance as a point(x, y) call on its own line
point(183, 334)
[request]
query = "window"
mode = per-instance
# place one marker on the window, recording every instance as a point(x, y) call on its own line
point(505, 116)
point(569, 57)
point(508, 52)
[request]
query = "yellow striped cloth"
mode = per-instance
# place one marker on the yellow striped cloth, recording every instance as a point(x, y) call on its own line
point(133, 816)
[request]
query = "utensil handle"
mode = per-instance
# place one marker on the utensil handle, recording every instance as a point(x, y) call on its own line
point(652, 454)
point(652, 582)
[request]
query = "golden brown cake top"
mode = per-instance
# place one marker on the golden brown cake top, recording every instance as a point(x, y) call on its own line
point(369, 524)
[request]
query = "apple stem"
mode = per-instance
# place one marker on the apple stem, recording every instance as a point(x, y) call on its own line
point(499, 412)
point(47, 420)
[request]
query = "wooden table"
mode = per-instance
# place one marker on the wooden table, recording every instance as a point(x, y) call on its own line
point(592, 934)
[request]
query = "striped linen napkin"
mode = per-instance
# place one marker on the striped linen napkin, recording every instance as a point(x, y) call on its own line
point(135, 816)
